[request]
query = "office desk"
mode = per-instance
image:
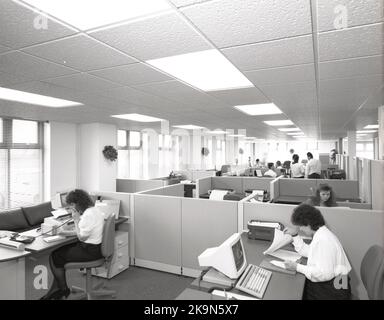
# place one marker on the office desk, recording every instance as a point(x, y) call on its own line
point(280, 287)
point(291, 199)
point(26, 274)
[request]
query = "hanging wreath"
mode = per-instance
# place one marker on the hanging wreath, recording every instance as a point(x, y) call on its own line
point(241, 151)
point(204, 151)
point(110, 153)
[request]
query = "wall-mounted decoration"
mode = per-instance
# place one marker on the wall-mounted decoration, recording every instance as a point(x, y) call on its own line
point(110, 153)
point(204, 151)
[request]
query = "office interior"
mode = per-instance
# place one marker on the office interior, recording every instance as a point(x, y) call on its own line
point(160, 106)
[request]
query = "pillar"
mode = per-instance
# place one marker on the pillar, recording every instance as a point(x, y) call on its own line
point(381, 132)
point(352, 154)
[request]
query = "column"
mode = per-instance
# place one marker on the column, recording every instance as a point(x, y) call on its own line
point(352, 170)
point(96, 172)
point(381, 132)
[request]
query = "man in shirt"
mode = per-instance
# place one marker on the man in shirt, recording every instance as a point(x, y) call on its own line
point(327, 266)
point(270, 172)
point(313, 167)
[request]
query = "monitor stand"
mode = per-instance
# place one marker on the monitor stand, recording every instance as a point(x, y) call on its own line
point(217, 277)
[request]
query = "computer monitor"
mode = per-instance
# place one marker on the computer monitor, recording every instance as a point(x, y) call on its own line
point(259, 173)
point(60, 200)
point(228, 258)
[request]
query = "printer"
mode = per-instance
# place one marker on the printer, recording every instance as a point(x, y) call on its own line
point(263, 230)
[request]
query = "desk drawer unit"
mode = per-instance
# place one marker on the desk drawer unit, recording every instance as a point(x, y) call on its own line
point(120, 259)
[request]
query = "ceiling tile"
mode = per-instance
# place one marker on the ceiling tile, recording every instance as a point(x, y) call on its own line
point(352, 42)
point(18, 27)
point(9, 79)
point(183, 3)
point(21, 64)
point(351, 67)
point(358, 12)
point(152, 38)
point(3, 49)
point(235, 22)
point(132, 74)
point(80, 52)
point(83, 81)
point(272, 54)
point(179, 92)
point(240, 96)
point(299, 73)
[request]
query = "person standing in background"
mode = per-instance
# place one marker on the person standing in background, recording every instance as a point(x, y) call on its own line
point(297, 169)
point(313, 167)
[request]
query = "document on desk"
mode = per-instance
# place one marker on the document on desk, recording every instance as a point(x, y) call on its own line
point(280, 240)
point(217, 194)
point(232, 295)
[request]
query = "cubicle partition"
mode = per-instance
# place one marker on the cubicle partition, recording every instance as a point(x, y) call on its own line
point(298, 190)
point(238, 184)
point(357, 230)
point(377, 184)
point(137, 185)
point(175, 190)
point(170, 232)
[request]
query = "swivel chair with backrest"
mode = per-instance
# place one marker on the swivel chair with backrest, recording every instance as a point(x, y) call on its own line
point(107, 250)
point(372, 272)
point(225, 168)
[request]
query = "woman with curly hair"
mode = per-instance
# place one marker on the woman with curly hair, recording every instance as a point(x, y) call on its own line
point(89, 222)
point(324, 197)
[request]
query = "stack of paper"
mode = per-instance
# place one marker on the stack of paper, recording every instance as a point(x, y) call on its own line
point(264, 224)
point(217, 194)
point(280, 240)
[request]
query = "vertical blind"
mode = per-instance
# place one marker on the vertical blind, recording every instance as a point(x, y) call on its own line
point(21, 159)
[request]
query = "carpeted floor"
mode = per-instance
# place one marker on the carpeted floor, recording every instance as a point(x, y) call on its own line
point(138, 284)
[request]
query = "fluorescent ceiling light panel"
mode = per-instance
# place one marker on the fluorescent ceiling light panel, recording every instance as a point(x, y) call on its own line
point(137, 117)
point(295, 133)
point(188, 127)
point(89, 14)
point(289, 129)
point(372, 126)
point(207, 70)
point(366, 131)
point(259, 109)
point(279, 123)
point(32, 98)
point(236, 135)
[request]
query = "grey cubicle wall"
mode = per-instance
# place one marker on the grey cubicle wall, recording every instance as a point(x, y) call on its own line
point(158, 232)
point(176, 190)
point(125, 200)
point(257, 183)
point(357, 230)
point(297, 187)
point(204, 224)
point(377, 171)
point(235, 183)
point(137, 185)
point(344, 189)
point(203, 185)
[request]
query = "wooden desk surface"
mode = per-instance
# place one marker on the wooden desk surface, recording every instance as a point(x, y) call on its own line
point(11, 254)
point(280, 287)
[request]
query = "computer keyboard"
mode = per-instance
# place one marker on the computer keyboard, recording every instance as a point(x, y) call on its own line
point(254, 281)
point(53, 238)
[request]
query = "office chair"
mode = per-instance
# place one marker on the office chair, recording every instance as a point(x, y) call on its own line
point(225, 168)
point(372, 272)
point(107, 250)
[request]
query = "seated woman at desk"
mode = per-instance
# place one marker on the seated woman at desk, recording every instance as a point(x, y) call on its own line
point(327, 265)
point(324, 197)
point(297, 169)
point(89, 222)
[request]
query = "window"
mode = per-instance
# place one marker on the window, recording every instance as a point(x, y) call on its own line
point(21, 162)
point(129, 163)
point(121, 138)
point(134, 139)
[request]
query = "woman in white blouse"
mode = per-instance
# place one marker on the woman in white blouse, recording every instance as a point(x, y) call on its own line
point(327, 264)
point(89, 222)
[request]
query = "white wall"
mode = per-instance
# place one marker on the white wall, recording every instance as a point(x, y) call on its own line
point(97, 173)
point(62, 150)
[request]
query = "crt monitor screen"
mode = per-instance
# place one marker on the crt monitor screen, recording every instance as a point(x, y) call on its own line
point(238, 255)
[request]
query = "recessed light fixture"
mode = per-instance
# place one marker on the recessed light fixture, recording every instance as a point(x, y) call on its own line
point(189, 127)
point(289, 129)
point(372, 126)
point(366, 131)
point(259, 109)
point(137, 117)
point(206, 70)
point(217, 132)
point(236, 135)
point(33, 98)
point(279, 123)
point(90, 14)
point(295, 133)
